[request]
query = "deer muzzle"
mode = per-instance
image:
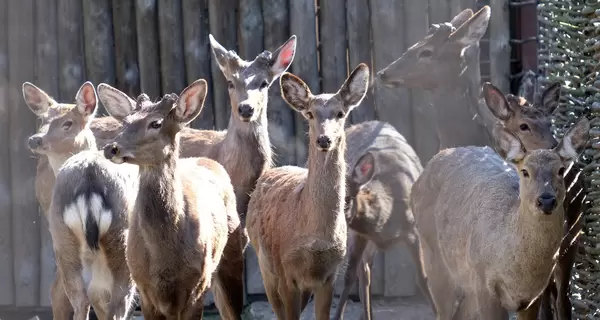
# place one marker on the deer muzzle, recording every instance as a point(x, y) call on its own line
point(113, 152)
point(546, 203)
point(35, 142)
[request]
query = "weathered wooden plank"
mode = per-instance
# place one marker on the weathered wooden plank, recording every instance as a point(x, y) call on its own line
point(393, 105)
point(146, 14)
point(305, 65)
point(281, 116)
point(197, 54)
point(26, 217)
point(46, 71)
point(127, 71)
point(6, 276)
point(455, 7)
point(359, 50)
point(172, 64)
point(223, 26)
point(425, 140)
point(70, 49)
point(439, 11)
point(499, 46)
point(332, 40)
point(98, 42)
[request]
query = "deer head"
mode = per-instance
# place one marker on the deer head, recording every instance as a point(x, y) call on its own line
point(249, 82)
point(63, 128)
point(326, 113)
point(541, 171)
point(150, 130)
point(439, 57)
point(530, 123)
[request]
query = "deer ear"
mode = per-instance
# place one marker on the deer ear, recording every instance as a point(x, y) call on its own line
point(574, 140)
point(283, 57)
point(496, 102)
point(473, 29)
point(550, 99)
point(295, 92)
point(461, 18)
point(86, 101)
point(364, 169)
point(355, 87)
point(221, 54)
point(528, 86)
point(36, 99)
point(191, 101)
point(508, 146)
point(116, 102)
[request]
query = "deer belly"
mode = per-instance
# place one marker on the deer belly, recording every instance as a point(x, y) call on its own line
point(316, 264)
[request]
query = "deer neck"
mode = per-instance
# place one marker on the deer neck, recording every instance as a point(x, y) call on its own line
point(160, 199)
point(84, 141)
point(456, 104)
point(250, 138)
point(325, 190)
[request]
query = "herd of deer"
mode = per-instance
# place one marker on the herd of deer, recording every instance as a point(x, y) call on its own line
point(166, 211)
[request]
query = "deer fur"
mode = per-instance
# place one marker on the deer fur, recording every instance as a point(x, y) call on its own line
point(184, 230)
point(489, 233)
point(89, 209)
point(296, 219)
point(382, 168)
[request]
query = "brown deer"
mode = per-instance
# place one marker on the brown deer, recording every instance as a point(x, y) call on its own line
point(184, 228)
point(89, 209)
point(490, 234)
point(296, 219)
point(450, 55)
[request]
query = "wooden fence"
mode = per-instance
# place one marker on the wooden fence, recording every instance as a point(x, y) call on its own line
point(159, 46)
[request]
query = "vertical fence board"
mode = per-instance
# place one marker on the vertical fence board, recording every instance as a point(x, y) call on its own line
point(146, 16)
point(127, 70)
point(251, 43)
point(359, 50)
point(26, 217)
point(499, 31)
point(455, 7)
point(71, 60)
point(305, 65)
point(98, 42)
point(172, 64)
point(6, 279)
point(197, 54)
point(425, 140)
point(439, 11)
point(393, 105)
point(46, 71)
point(223, 26)
point(281, 116)
point(332, 40)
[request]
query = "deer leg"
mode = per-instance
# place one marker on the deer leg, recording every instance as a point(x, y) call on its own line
point(122, 298)
point(357, 247)
point(270, 283)
point(196, 310)
point(488, 307)
point(61, 306)
point(323, 298)
point(229, 280)
point(546, 301)
point(148, 310)
point(364, 290)
point(531, 312)
point(562, 276)
point(73, 281)
point(414, 247)
point(305, 299)
point(292, 300)
point(443, 291)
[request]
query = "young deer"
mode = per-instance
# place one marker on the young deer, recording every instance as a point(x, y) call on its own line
point(184, 228)
point(296, 219)
point(490, 234)
point(88, 213)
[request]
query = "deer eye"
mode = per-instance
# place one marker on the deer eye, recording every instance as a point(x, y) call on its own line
point(309, 115)
point(264, 85)
point(67, 125)
point(524, 127)
point(340, 115)
point(230, 85)
point(426, 53)
point(155, 124)
point(561, 171)
point(525, 173)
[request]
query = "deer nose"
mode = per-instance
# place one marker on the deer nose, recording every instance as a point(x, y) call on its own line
point(245, 110)
point(324, 141)
point(34, 142)
point(111, 150)
point(546, 202)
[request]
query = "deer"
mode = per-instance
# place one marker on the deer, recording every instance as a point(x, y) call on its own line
point(453, 87)
point(184, 229)
point(88, 213)
point(296, 220)
point(490, 233)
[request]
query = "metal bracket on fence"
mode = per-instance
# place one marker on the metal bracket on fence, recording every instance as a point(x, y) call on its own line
point(522, 3)
point(521, 41)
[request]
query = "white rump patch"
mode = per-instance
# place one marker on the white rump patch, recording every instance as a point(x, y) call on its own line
point(76, 212)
